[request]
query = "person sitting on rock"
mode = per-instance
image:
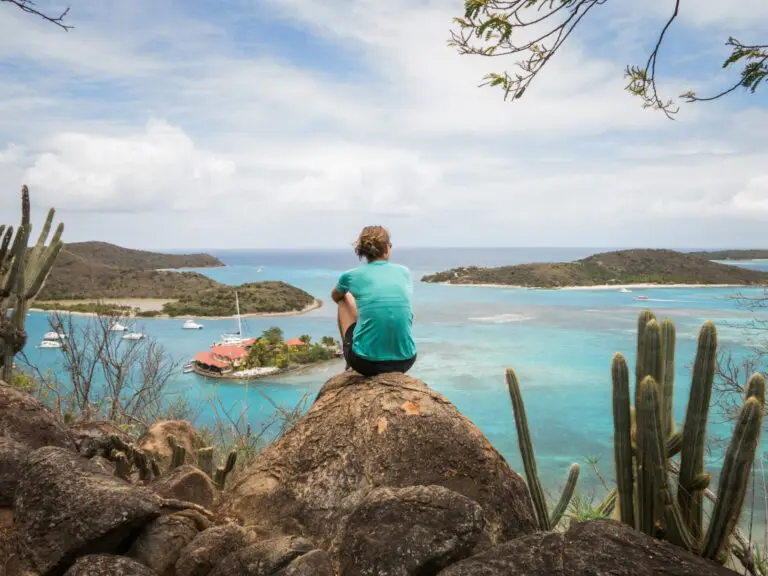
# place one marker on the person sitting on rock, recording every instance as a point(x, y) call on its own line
point(375, 314)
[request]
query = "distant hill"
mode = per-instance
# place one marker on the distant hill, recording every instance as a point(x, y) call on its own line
point(254, 298)
point(99, 270)
point(126, 258)
point(620, 267)
point(734, 254)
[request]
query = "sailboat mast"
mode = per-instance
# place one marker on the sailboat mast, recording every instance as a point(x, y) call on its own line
point(239, 325)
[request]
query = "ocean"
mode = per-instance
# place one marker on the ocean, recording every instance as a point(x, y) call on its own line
point(560, 343)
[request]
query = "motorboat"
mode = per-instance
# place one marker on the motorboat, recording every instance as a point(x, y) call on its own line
point(259, 270)
point(625, 290)
point(133, 336)
point(54, 336)
point(117, 327)
point(191, 325)
point(641, 297)
point(188, 367)
point(51, 344)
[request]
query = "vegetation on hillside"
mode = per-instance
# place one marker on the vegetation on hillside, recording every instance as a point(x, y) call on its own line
point(734, 254)
point(620, 267)
point(90, 270)
point(255, 298)
point(119, 257)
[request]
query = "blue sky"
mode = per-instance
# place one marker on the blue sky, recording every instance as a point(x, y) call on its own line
point(293, 123)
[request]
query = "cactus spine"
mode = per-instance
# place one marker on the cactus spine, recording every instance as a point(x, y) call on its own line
point(22, 276)
point(529, 461)
point(622, 443)
point(695, 430)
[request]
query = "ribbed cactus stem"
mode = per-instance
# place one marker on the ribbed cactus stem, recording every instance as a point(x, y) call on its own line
point(622, 439)
point(640, 372)
point(651, 454)
point(674, 444)
point(756, 388)
point(526, 451)
point(652, 356)
point(155, 467)
point(734, 478)
point(565, 497)
point(142, 465)
point(179, 456)
point(205, 460)
point(668, 336)
point(695, 430)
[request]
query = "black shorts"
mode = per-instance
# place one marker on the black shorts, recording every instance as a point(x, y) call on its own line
point(370, 367)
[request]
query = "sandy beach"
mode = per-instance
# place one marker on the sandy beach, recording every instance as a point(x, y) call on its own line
point(155, 305)
point(606, 286)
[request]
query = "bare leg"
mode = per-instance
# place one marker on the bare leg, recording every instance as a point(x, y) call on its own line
point(347, 314)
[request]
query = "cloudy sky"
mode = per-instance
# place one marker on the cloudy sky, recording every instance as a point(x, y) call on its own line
point(292, 123)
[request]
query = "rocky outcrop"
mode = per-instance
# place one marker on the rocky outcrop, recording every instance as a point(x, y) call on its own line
point(415, 530)
point(264, 558)
point(24, 419)
point(12, 457)
point(208, 549)
point(159, 546)
point(596, 548)
point(87, 432)
point(65, 507)
point(363, 433)
point(107, 565)
point(155, 440)
point(186, 483)
point(315, 563)
point(25, 425)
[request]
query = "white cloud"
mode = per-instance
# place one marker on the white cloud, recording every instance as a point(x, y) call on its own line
point(158, 168)
point(251, 148)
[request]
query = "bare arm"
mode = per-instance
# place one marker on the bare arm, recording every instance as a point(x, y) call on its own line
point(337, 296)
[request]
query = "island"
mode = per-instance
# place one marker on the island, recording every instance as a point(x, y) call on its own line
point(267, 355)
point(733, 254)
point(101, 278)
point(621, 267)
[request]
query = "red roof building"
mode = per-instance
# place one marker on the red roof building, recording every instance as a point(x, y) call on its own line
point(207, 359)
point(295, 342)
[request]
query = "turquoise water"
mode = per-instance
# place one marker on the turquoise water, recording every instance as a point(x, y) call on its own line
point(559, 342)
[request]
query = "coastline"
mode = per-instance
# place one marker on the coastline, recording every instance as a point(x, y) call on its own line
point(603, 287)
point(155, 304)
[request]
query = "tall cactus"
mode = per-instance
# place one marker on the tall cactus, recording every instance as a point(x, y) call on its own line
point(646, 434)
point(695, 430)
point(545, 522)
point(22, 275)
point(622, 439)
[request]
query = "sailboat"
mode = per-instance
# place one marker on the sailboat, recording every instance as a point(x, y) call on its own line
point(234, 338)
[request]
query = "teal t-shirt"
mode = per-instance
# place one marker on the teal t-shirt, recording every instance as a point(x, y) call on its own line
point(383, 292)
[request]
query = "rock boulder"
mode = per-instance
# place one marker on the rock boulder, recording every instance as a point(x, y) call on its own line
point(362, 433)
point(65, 507)
point(595, 548)
point(159, 546)
point(155, 440)
point(263, 558)
point(208, 549)
point(315, 563)
point(186, 483)
point(12, 457)
point(27, 421)
point(106, 565)
point(415, 530)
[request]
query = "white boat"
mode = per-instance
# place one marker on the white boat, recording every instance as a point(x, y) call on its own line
point(133, 336)
point(625, 290)
point(117, 327)
point(259, 270)
point(51, 344)
point(233, 338)
point(188, 367)
point(191, 325)
point(54, 336)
